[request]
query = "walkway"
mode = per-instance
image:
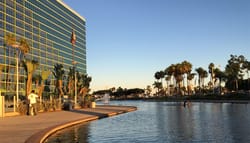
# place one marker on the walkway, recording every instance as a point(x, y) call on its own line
point(33, 129)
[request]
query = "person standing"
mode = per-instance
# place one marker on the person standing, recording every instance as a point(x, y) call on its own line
point(32, 97)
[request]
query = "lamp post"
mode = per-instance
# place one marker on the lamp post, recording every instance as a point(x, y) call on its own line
point(75, 82)
point(73, 41)
point(16, 45)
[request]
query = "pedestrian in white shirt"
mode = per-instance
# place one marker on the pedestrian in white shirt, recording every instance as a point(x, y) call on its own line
point(32, 102)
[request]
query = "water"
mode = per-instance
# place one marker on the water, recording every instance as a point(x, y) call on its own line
point(165, 122)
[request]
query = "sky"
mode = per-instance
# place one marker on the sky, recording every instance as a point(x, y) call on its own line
point(129, 40)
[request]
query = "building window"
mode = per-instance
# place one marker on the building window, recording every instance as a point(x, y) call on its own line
point(10, 11)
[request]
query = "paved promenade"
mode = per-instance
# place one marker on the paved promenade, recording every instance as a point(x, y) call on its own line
point(33, 129)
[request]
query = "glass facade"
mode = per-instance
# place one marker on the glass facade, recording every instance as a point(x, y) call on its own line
point(47, 26)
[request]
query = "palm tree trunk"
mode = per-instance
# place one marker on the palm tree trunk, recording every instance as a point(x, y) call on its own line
point(29, 84)
point(60, 87)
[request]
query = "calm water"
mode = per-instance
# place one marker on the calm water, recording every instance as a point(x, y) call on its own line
point(165, 122)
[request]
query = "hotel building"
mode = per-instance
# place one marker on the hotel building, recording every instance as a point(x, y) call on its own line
point(47, 26)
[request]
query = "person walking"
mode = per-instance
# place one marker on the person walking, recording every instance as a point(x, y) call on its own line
point(32, 97)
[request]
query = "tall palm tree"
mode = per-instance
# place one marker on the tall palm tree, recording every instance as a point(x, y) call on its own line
point(157, 76)
point(30, 67)
point(9, 40)
point(71, 75)
point(58, 73)
point(234, 68)
point(220, 75)
point(84, 83)
point(157, 85)
point(170, 70)
point(190, 77)
point(178, 74)
point(202, 74)
point(211, 71)
point(246, 66)
point(148, 90)
point(187, 68)
point(44, 76)
point(21, 45)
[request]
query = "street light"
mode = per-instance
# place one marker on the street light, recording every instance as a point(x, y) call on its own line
point(75, 83)
point(17, 45)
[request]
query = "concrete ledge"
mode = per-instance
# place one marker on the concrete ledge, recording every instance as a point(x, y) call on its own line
point(96, 113)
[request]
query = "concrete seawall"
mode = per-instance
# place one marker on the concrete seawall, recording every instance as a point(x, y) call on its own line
point(35, 129)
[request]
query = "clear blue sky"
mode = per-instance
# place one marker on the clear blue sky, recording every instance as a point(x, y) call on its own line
point(129, 40)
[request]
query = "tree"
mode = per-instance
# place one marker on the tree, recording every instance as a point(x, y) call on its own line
point(220, 75)
point(58, 73)
point(234, 69)
point(23, 46)
point(246, 66)
point(71, 81)
point(84, 83)
point(202, 75)
point(44, 76)
point(157, 85)
point(30, 67)
point(186, 69)
point(211, 71)
point(148, 90)
point(190, 77)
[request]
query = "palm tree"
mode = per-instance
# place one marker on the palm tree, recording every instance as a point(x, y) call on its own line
point(190, 77)
point(30, 67)
point(187, 68)
point(168, 80)
point(202, 75)
point(71, 75)
point(9, 40)
point(170, 72)
point(148, 90)
point(21, 45)
point(157, 85)
point(84, 83)
point(220, 75)
point(58, 74)
point(157, 76)
point(234, 68)
point(246, 66)
point(211, 71)
point(44, 76)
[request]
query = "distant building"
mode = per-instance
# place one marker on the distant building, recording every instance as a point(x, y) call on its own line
point(47, 25)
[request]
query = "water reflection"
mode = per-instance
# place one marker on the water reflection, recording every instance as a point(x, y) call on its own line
point(166, 122)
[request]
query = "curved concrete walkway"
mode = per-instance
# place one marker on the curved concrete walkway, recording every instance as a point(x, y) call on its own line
point(35, 129)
